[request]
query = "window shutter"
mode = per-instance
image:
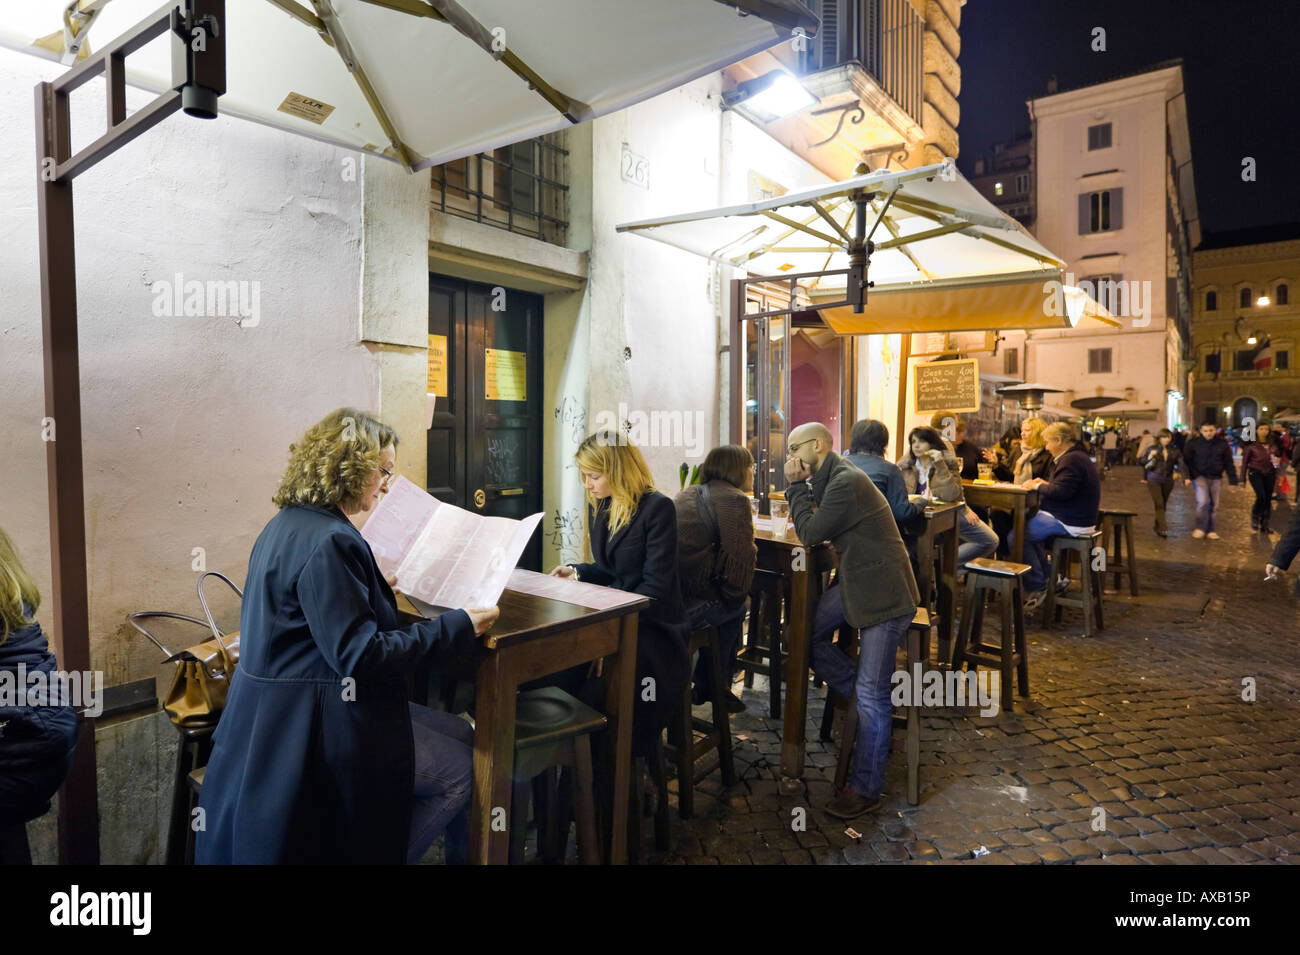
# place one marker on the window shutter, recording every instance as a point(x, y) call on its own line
point(1083, 214)
point(1117, 208)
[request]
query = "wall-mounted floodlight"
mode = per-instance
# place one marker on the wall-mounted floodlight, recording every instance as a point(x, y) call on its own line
point(769, 97)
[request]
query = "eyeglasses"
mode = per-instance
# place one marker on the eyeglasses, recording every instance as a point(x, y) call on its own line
point(388, 476)
point(799, 444)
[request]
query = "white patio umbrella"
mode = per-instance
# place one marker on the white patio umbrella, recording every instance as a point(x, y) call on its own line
point(944, 257)
point(428, 81)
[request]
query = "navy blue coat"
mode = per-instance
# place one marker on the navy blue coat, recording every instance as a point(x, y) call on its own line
point(36, 741)
point(308, 766)
point(642, 559)
point(1073, 494)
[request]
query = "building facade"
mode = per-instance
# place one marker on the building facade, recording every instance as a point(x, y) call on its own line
point(1005, 177)
point(1246, 326)
point(1116, 199)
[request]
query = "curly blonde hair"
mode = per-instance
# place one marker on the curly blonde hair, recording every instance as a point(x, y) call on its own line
point(332, 463)
point(1036, 426)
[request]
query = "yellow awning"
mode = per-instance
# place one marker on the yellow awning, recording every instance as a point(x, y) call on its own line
point(1024, 304)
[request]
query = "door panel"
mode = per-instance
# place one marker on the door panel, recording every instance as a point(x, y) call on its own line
point(489, 448)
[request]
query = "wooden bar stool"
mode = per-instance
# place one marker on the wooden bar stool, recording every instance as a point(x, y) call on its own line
point(553, 731)
point(1011, 655)
point(1116, 529)
point(1064, 550)
point(717, 734)
point(918, 634)
point(762, 650)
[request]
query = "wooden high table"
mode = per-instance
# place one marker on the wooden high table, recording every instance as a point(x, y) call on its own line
point(802, 568)
point(536, 637)
point(1008, 497)
point(942, 531)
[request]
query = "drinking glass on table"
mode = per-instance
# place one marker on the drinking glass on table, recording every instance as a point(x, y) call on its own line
point(986, 471)
point(753, 505)
point(780, 516)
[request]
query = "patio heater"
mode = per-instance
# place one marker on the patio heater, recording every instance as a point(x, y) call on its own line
point(1030, 394)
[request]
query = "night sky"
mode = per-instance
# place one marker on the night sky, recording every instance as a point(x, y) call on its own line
point(1241, 71)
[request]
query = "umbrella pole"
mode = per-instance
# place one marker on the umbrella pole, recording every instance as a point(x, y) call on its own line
point(904, 353)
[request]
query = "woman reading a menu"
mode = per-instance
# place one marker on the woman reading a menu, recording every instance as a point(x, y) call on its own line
point(633, 531)
point(318, 757)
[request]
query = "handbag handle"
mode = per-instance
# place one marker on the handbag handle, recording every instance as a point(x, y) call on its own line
point(212, 624)
point(135, 618)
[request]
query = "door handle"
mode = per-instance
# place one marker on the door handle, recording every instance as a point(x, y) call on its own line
point(479, 498)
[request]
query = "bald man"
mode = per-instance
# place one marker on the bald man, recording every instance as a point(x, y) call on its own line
point(875, 593)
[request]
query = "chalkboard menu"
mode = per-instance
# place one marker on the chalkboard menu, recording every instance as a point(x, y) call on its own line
point(946, 385)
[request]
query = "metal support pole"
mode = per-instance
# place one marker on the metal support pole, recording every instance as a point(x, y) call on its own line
point(78, 804)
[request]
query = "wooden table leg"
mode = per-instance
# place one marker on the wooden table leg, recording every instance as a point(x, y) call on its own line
point(803, 612)
point(620, 690)
point(948, 591)
point(494, 753)
point(1018, 540)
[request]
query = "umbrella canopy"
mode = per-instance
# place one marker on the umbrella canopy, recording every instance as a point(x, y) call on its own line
point(428, 81)
point(1095, 403)
point(1127, 409)
point(944, 257)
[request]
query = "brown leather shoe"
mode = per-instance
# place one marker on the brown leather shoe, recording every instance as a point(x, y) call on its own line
point(849, 805)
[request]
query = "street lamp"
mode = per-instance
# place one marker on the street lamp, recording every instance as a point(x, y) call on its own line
point(1262, 301)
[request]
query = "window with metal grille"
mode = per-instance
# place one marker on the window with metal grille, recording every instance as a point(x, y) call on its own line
point(1245, 298)
point(1282, 359)
point(1099, 361)
point(522, 188)
point(1283, 295)
point(884, 37)
point(1099, 136)
point(1244, 359)
point(1211, 301)
point(1022, 183)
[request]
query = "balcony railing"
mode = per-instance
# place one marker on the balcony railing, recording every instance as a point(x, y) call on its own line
point(884, 37)
point(522, 188)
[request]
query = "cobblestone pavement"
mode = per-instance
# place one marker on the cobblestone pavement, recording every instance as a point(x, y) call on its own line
point(1145, 721)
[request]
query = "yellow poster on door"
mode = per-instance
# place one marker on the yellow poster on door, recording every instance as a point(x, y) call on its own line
point(505, 374)
point(438, 365)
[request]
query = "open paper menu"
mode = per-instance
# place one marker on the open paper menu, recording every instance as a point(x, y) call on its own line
point(442, 554)
point(591, 596)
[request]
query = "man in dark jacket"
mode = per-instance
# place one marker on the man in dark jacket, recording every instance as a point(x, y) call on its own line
point(867, 445)
point(876, 594)
point(1208, 459)
point(1067, 503)
point(1286, 548)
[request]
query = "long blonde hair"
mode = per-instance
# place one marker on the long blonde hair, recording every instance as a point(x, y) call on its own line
point(334, 460)
point(622, 464)
point(16, 587)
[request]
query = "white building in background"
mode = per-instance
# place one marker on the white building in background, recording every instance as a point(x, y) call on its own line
point(1116, 200)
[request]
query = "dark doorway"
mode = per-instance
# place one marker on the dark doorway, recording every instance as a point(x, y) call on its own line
point(485, 446)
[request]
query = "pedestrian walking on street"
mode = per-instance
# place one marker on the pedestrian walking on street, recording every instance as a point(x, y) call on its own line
point(1162, 464)
point(1258, 470)
point(1209, 459)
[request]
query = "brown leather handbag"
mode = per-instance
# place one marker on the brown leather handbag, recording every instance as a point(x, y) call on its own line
point(203, 672)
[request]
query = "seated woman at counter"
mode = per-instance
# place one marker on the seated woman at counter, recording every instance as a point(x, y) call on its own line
point(38, 729)
point(319, 758)
point(716, 556)
point(1034, 461)
point(931, 468)
point(633, 533)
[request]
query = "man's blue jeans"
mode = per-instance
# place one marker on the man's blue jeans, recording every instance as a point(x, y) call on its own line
point(870, 684)
point(977, 539)
point(1207, 501)
point(1038, 529)
point(444, 776)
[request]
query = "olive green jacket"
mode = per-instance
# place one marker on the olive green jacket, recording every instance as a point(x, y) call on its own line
point(875, 573)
